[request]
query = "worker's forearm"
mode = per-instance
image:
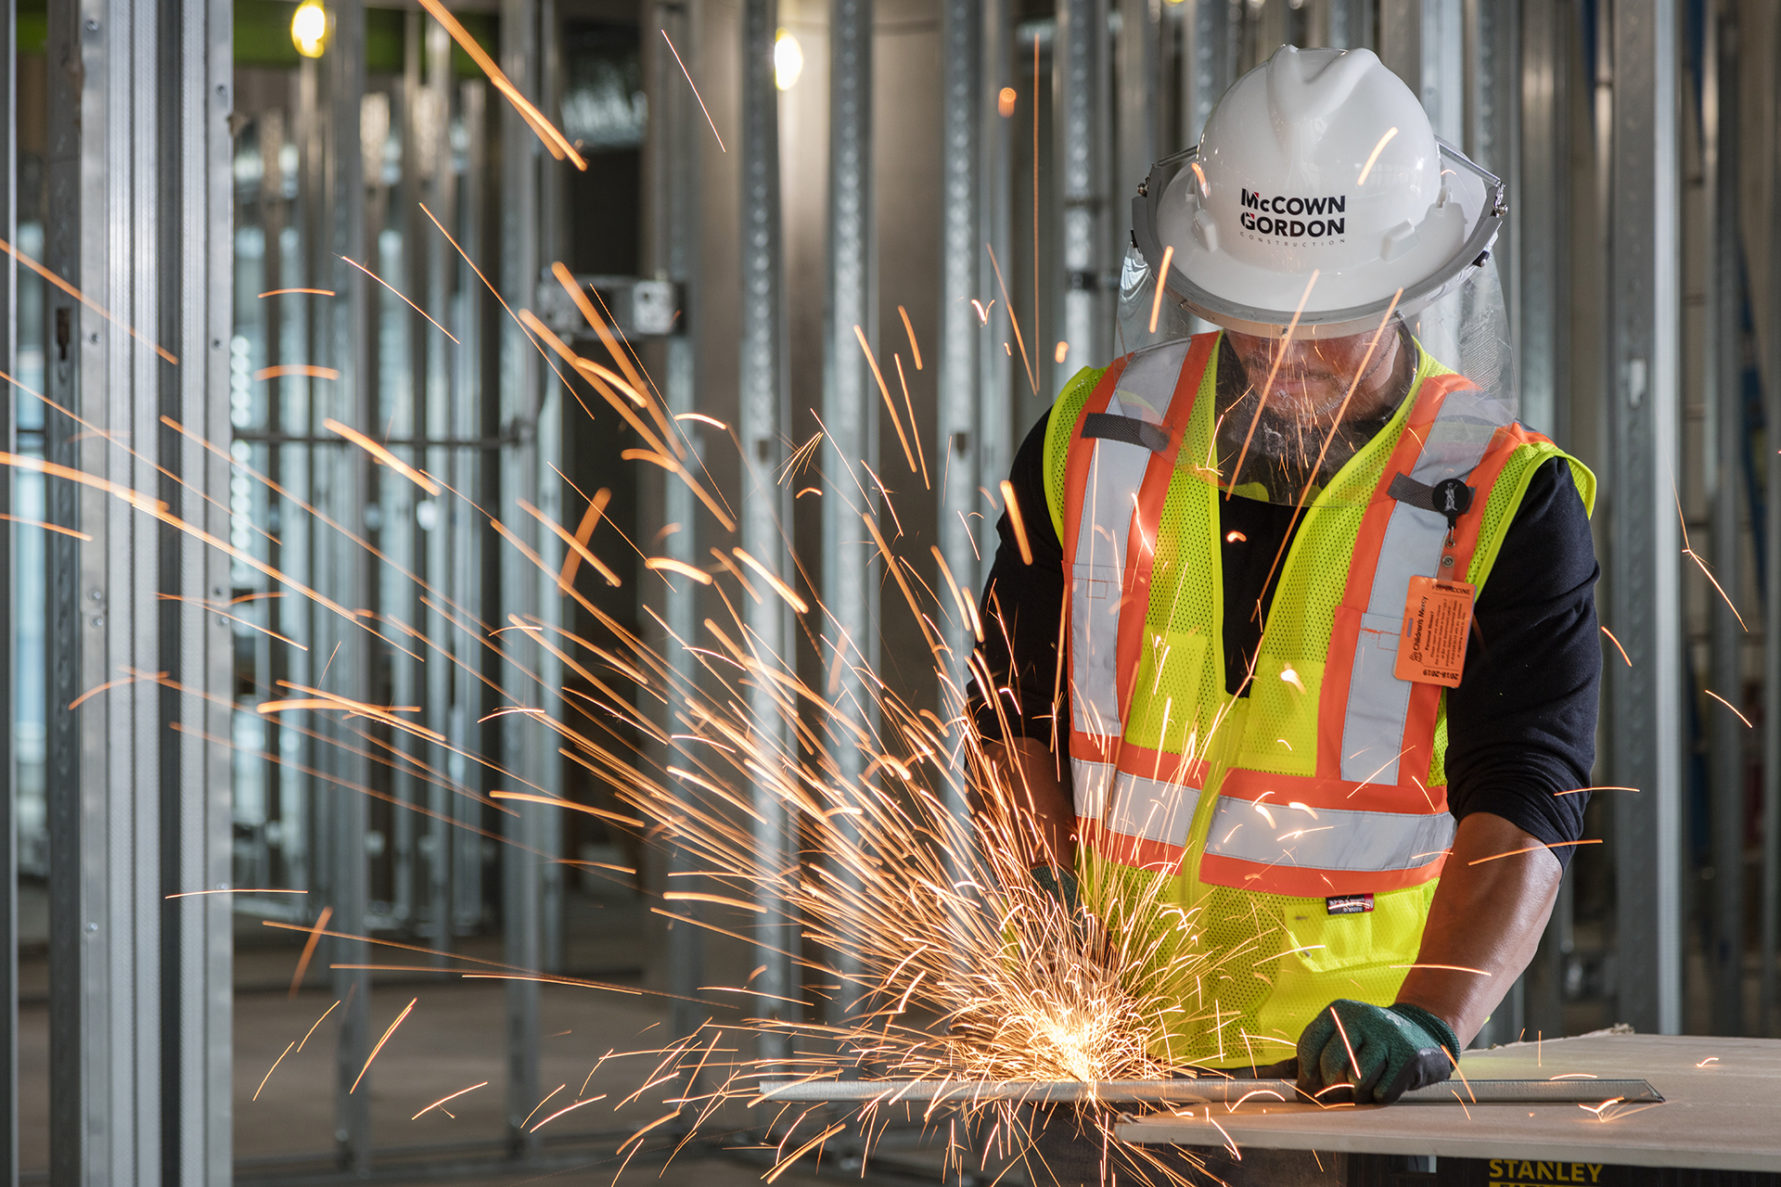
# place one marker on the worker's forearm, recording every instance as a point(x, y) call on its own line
point(1033, 801)
point(1486, 917)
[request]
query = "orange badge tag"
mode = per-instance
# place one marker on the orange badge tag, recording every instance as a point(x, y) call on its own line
point(1437, 619)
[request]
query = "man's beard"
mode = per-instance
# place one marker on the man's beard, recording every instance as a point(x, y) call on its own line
point(1291, 456)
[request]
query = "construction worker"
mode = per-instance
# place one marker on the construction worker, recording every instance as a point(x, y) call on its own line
point(1328, 684)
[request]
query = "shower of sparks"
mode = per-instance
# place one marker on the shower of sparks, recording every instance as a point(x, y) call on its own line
point(404, 297)
point(546, 131)
point(952, 967)
point(1478, 861)
point(371, 1058)
point(1617, 646)
point(1162, 284)
point(914, 346)
point(442, 1101)
point(301, 370)
point(695, 90)
point(273, 1068)
point(59, 282)
point(1730, 706)
point(235, 890)
point(315, 936)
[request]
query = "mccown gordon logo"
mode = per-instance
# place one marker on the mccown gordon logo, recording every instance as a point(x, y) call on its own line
point(1294, 217)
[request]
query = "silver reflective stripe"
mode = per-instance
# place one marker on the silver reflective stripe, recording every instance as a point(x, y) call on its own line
point(1133, 805)
point(1090, 783)
point(1154, 809)
point(1274, 834)
point(1378, 702)
point(1110, 500)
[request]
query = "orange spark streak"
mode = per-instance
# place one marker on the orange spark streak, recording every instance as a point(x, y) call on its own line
point(884, 391)
point(568, 1109)
point(909, 407)
point(56, 280)
point(306, 370)
point(576, 544)
point(786, 1162)
point(1617, 646)
point(1273, 373)
point(130, 678)
point(383, 456)
point(386, 284)
point(540, 1104)
point(967, 609)
point(526, 797)
point(387, 1033)
point(1017, 522)
point(1730, 706)
point(658, 563)
point(1374, 156)
point(786, 593)
point(1008, 304)
point(442, 1100)
point(273, 1068)
point(1452, 968)
point(233, 890)
point(715, 423)
point(554, 140)
point(598, 324)
point(290, 292)
point(1604, 787)
point(1530, 849)
point(235, 618)
point(316, 1023)
point(48, 527)
point(914, 347)
point(695, 87)
point(1162, 275)
point(321, 924)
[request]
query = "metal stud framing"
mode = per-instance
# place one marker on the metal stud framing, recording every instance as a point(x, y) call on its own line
point(765, 413)
point(1770, 940)
point(139, 179)
point(344, 484)
point(850, 415)
point(1723, 372)
point(1643, 587)
point(673, 166)
point(1083, 126)
point(962, 116)
point(525, 407)
point(9, 824)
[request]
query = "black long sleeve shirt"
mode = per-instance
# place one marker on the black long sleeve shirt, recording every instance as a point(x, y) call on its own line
point(1520, 726)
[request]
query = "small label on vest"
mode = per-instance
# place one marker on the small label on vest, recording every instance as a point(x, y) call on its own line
point(1349, 904)
point(1437, 619)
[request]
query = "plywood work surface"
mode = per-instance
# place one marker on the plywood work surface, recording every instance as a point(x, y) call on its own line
point(1721, 1110)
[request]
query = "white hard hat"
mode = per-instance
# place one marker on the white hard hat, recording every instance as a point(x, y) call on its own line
point(1318, 193)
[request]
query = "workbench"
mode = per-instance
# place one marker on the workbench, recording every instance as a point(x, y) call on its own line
point(1721, 1114)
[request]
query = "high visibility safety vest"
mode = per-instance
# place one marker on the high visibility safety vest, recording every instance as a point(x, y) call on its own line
point(1268, 853)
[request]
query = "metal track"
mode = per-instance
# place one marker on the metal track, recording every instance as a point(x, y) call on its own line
point(1207, 1090)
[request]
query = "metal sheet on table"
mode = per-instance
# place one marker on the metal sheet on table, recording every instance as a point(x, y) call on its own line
point(1198, 1091)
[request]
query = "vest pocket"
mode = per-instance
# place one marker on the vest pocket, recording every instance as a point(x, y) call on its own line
point(1167, 690)
point(1281, 736)
point(1363, 955)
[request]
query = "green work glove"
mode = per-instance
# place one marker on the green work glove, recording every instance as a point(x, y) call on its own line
point(1395, 1049)
point(1060, 884)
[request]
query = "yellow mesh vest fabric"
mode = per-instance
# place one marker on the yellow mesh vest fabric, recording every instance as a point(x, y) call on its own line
point(1238, 974)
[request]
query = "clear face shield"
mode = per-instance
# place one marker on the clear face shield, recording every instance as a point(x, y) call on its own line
point(1305, 385)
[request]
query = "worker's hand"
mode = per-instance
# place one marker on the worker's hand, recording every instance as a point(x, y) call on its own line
point(1380, 1052)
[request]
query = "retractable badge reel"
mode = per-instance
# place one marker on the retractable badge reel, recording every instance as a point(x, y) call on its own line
point(1438, 610)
